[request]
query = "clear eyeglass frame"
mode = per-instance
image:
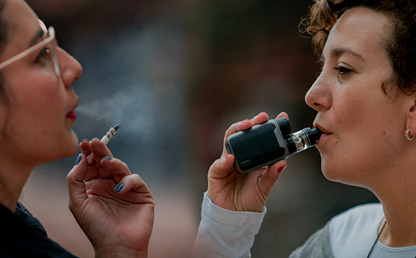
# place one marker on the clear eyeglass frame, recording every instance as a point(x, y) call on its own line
point(48, 41)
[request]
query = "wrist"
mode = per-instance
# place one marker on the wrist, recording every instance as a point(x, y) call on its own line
point(220, 204)
point(119, 252)
point(213, 199)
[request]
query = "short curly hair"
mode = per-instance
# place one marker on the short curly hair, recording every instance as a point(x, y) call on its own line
point(401, 47)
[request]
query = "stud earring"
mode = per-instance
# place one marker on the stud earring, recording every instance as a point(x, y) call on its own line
point(406, 133)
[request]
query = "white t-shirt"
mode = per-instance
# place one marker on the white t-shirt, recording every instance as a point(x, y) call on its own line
point(353, 232)
point(229, 234)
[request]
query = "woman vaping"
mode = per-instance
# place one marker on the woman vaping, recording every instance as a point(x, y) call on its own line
point(365, 98)
point(113, 207)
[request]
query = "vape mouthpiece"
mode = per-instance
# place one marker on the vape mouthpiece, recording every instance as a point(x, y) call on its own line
point(314, 134)
point(303, 139)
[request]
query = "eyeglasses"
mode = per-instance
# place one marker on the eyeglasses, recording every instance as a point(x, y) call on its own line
point(49, 42)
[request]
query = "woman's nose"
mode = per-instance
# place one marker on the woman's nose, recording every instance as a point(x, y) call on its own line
point(71, 69)
point(319, 95)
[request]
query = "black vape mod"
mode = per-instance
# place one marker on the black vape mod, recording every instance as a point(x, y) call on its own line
point(267, 143)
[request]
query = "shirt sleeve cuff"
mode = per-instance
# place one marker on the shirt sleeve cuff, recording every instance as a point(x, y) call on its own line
point(251, 221)
point(223, 233)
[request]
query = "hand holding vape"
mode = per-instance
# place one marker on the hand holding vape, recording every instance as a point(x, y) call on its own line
point(267, 143)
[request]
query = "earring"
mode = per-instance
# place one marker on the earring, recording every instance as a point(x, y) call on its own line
point(406, 133)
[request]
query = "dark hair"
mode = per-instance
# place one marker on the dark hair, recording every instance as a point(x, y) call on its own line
point(3, 38)
point(3, 26)
point(400, 47)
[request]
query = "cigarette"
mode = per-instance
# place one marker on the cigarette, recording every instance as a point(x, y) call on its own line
point(110, 134)
point(106, 139)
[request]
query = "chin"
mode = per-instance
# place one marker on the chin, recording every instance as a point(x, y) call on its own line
point(332, 173)
point(74, 146)
point(71, 152)
point(341, 176)
point(70, 146)
point(331, 176)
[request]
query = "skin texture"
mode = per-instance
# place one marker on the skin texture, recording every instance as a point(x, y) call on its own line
point(118, 223)
point(364, 142)
point(353, 111)
point(34, 107)
point(36, 119)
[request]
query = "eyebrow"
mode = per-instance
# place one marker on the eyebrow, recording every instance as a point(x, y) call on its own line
point(339, 51)
point(39, 34)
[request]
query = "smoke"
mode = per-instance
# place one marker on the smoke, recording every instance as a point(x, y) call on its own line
point(136, 79)
point(133, 108)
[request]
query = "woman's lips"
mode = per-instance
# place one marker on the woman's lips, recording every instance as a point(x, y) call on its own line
point(324, 134)
point(72, 115)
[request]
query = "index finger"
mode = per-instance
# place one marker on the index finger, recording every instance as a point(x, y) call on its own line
point(283, 114)
point(114, 168)
point(244, 125)
point(99, 150)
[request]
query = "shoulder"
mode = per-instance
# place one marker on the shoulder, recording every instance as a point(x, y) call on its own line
point(362, 210)
point(22, 235)
point(24, 214)
point(317, 246)
point(337, 236)
point(360, 215)
point(355, 229)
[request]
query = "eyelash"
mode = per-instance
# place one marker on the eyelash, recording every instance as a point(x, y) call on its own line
point(342, 70)
point(43, 53)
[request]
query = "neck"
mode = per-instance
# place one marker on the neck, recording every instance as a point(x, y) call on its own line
point(13, 177)
point(400, 230)
point(398, 196)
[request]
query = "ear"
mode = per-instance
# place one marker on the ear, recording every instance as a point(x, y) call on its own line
point(411, 115)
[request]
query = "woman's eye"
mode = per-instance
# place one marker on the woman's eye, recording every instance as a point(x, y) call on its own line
point(342, 70)
point(44, 53)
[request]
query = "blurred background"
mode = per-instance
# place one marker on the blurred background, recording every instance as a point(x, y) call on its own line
point(175, 74)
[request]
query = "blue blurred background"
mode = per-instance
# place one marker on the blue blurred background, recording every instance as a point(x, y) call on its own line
point(174, 75)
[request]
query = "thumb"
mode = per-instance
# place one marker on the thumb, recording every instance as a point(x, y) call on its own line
point(221, 167)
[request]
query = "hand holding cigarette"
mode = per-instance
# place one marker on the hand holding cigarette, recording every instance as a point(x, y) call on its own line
point(108, 200)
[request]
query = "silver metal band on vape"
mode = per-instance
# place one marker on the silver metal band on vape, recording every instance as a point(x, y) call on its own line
point(301, 140)
point(110, 134)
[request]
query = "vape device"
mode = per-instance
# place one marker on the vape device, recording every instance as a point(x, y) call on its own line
point(267, 143)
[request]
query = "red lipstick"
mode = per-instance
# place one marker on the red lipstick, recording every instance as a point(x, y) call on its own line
point(72, 115)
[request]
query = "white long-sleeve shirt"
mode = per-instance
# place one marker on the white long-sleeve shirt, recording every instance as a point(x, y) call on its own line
point(229, 234)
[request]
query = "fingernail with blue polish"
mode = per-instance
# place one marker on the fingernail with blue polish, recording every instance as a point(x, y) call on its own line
point(107, 157)
point(78, 159)
point(119, 187)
